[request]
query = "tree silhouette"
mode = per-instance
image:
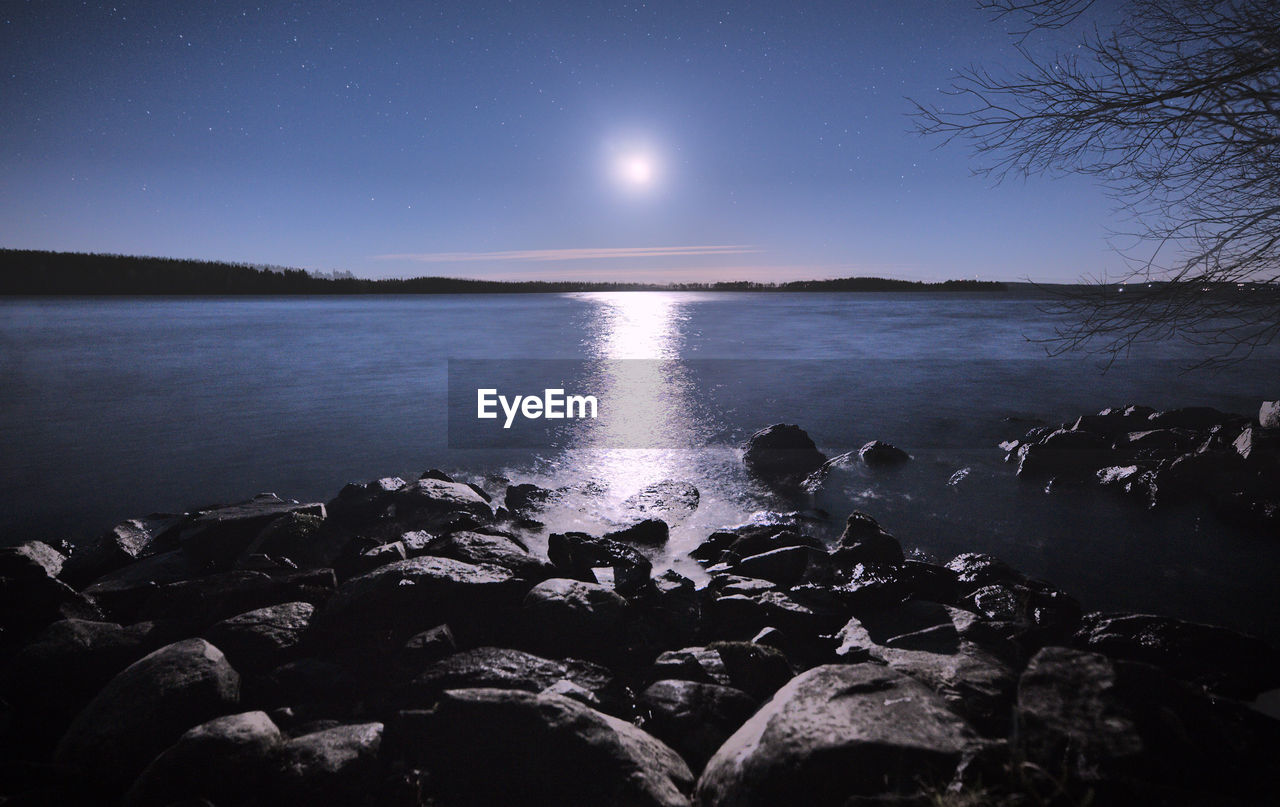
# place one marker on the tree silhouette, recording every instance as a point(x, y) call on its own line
point(1175, 108)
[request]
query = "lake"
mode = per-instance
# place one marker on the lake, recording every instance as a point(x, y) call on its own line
point(112, 408)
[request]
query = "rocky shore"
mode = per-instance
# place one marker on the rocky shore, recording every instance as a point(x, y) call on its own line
point(404, 644)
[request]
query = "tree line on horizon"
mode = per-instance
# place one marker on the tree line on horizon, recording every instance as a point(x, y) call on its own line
point(38, 272)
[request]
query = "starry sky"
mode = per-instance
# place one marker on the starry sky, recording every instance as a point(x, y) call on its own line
point(646, 141)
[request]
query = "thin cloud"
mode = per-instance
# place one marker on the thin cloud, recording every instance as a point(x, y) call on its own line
point(542, 255)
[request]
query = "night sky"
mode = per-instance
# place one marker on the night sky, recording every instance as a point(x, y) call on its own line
point(633, 141)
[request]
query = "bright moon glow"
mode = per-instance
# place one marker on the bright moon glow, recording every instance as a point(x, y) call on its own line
point(637, 169)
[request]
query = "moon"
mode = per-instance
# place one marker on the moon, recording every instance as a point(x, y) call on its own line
point(636, 169)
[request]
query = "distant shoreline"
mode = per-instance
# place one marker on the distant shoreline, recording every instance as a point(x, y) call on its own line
point(65, 274)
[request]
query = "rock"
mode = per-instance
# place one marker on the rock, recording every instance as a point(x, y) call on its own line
point(877, 455)
point(1127, 733)
point(672, 500)
point(49, 681)
point(668, 613)
point(1160, 442)
point(35, 558)
point(1069, 454)
point(693, 718)
point(1269, 415)
point(121, 592)
point(756, 669)
point(502, 668)
point(1219, 659)
point(527, 499)
point(306, 539)
point(865, 541)
point(1258, 448)
point(974, 570)
point(365, 503)
point(786, 566)
point(223, 761)
point(836, 732)
point(205, 600)
point(924, 641)
point(118, 547)
point(740, 616)
point(335, 766)
point(218, 535)
point(782, 454)
point(549, 750)
point(428, 647)
point(261, 640)
point(1191, 417)
point(307, 681)
point(650, 532)
point(576, 554)
point(31, 595)
point(499, 550)
point(146, 708)
point(432, 500)
point(373, 557)
point(574, 618)
point(929, 581)
point(395, 601)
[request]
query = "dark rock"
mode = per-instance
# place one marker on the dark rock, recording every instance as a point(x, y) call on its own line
point(1127, 733)
point(1259, 448)
point(1269, 415)
point(756, 669)
point(428, 647)
point(727, 585)
point(766, 538)
point(837, 732)
point(929, 581)
point(31, 595)
point(223, 761)
point(263, 639)
point(526, 499)
point(862, 589)
point(576, 554)
point(715, 544)
point(31, 558)
point(307, 680)
point(395, 601)
point(122, 592)
point(1191, 417)
point(373, 557)
point(306, 539)
point(1219, 659)
point(669, 499)
point(118, 547)
point(786, 566)
point(502, 668)
point(1069, 454)
point(573, 618)
point(693, 718)
point(974, 570)
point(877, 454)
point(146, 708)
point(782, 454)
point(218, 535)
point(364, 503)
point(865, 541)
point(49, 681)
point(669, 612)
point(335, 766)
point(1115, 422)
point(499, 550)
point(433, 500)
point(741, 617)
point(925, 641)
point(553, 751)
point(650, 532)
point(1160, 442)
point(205, 600)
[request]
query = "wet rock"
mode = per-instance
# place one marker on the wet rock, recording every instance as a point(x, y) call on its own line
point(122, 592)
point(1269, 415)
point(836, 732)
point(574, 618)
point(305, 539)
point(400, 599)
point(118, 547)
point(576, 554)
point(974, 570)
point(373, 557)
point(212, 598)
point(335, 766)
point(924, 641)
point(766, 538)
point(218, 535)
point(223, 761)
point(929, 581)
point(693, 718)
point(669, 500)
point(865, 541)
point(503, 668)
point(49, 681)
point(307, 681)
point(741, 617)
point(879, 455)
point(1217, 658)
point(592, 758)
point(428, 647)
point(1191, 417)
point(31, 595)
point(34, 558)
point(1258, 448)
point(526, 499)
point(1069, 454)
point(431, 500)
point(782, 454)
point(262, 639)
point(786, 566)
point(1115, 422)
point(669, 612)
point(146, 708)
point(500, 550)
point(650, 532)
point(364, 503)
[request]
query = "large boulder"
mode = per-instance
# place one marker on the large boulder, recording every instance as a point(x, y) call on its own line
point(117, 547)
point(339, 765)
point(395, 601)
point(670, 500)
point(503, 668)
point(429, 501)
point(499, 550)
point(835, 733)
point(865, 541)
point(573, 618)
point(146, 708)
point(1217, 658)
point(1269, 415)
point(782, 454)
point(204, 600)
point(649, 532)
point(493, 746)
point(362, 504)
point(218, 535)
point(223, 761)
point(694, 718)
point(263, 639)
point(1064, 453)
point(32, 596)
point(577, 555)
point(877, 454)
point(305, 539)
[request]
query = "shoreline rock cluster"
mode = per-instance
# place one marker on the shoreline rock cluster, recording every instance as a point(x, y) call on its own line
point(403, 644)
point(1165, 458)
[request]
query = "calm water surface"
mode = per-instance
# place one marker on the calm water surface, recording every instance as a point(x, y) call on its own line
point(114, 408)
